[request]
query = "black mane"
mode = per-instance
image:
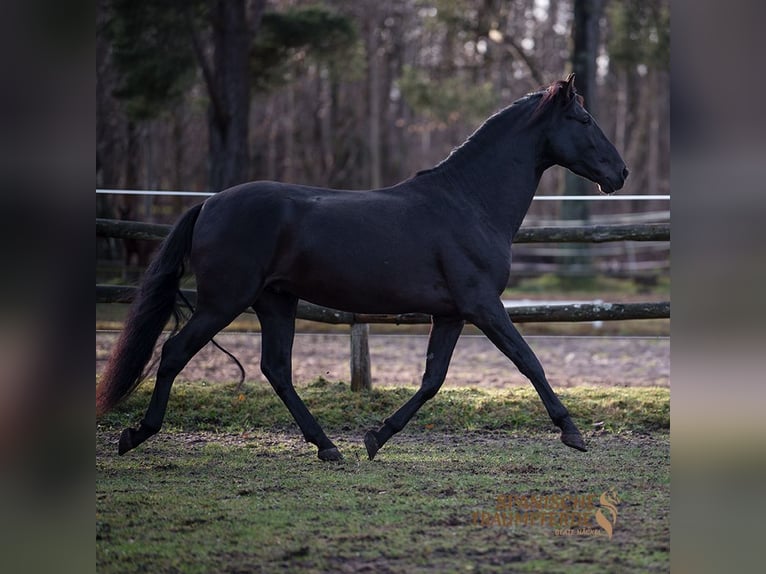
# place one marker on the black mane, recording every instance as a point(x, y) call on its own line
point(508, 118)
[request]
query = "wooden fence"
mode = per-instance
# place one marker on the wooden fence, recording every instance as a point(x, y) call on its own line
point(581, 234)
point(360, 361)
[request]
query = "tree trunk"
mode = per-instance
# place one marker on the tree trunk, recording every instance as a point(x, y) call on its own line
point(288, 159)
point(585, 49)
point(178, 154)
point(653, 160)
point(374, 108)
point(584, 53)
point(229, 111)
point(273, 135)
point(621, 109)
point(133, 157)
point(326, 123)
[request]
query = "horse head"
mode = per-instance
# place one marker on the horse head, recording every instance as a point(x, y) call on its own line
point(575, 141)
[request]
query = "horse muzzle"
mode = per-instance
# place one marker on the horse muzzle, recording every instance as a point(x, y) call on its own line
point(609, 185)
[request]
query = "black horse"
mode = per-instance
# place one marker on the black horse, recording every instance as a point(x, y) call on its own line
point(438, 243)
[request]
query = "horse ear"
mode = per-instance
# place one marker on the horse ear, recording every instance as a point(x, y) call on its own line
point(570, 86)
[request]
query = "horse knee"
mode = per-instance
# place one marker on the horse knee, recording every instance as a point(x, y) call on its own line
point(428, 391)
point(277, 374)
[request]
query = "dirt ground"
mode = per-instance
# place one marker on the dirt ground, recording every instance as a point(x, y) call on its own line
point(400, 359)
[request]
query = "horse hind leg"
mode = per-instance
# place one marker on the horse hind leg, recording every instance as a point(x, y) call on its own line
point(176, 353)
point(276, 312)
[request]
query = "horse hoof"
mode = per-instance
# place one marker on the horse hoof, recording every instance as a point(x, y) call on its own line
point(574, 440)
point(371, 443)
point(126, 441)
point(330, 454)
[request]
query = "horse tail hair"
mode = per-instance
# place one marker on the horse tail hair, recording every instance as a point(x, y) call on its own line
point(154, 303)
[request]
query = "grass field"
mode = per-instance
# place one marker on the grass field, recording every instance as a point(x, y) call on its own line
point(229, 486)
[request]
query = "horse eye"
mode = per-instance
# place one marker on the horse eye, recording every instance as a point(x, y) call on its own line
point(586, 120)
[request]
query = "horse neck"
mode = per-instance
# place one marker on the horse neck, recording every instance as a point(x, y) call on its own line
point(498, 173)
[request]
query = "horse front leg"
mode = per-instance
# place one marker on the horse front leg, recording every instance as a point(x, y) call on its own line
point(276, 312)
point(445, 332)
point(490, 316)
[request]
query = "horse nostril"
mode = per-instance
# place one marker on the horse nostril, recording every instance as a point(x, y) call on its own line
point(625, 173)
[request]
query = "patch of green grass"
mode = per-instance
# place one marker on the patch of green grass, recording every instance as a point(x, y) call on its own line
point(229, 485)
point(263, 502)
point(223, 407)
point(550, 283)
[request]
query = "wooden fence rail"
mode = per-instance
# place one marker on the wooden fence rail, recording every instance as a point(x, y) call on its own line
point(581, 234)
point(567, 312)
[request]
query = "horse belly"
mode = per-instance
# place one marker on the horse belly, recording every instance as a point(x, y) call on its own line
point(369, 284)
point(373, 300)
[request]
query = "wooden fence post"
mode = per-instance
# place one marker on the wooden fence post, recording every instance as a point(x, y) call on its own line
point(361, 378)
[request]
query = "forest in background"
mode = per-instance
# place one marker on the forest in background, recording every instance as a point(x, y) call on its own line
point(355, 94)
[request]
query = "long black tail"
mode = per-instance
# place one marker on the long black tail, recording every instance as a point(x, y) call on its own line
point(155, 302)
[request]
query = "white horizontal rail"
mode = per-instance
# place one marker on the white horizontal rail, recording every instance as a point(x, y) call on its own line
point(538, 197)
point(599, 197)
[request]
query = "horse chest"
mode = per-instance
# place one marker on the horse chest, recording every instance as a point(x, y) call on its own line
point(483, 255)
